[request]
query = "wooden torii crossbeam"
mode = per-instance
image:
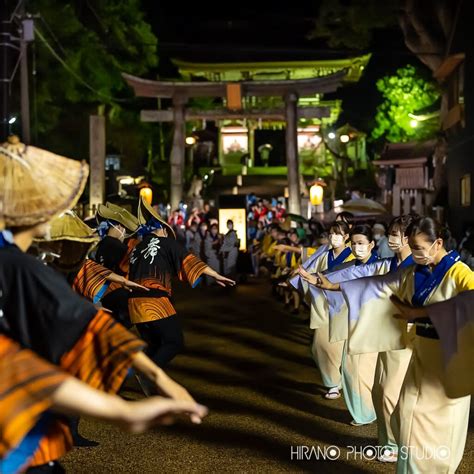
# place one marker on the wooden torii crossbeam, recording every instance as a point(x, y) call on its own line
point(181, 92)
point(226, 114)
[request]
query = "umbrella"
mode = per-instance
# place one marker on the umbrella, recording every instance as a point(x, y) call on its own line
point(362, 207)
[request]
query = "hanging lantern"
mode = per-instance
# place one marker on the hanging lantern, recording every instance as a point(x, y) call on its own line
point(147, 194)
point(316, 193)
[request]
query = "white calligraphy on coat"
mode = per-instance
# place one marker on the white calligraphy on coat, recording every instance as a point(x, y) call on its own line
point(151, 249)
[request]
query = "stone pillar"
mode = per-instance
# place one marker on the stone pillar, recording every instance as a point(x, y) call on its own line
point(97, 160)
point(292, 164)
point(419, 202)
point(396, 200)
point(178, 152)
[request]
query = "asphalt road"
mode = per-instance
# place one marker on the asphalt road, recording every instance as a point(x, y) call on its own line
point(249, 361)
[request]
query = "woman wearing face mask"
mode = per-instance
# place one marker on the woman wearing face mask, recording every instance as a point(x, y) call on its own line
point(327, 355)
point(230, 250)
point(391, 365)
point(425, 416)
point(358, 370)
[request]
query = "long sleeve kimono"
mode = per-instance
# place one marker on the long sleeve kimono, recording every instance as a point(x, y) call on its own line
point(454, 322)
point(425, 419)
point(327, 355)
point(390, 366)
point(153, 263)
point(41, 313)
point(357, 371)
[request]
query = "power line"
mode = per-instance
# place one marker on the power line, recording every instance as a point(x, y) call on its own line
point(75, 74)
point(51, 32)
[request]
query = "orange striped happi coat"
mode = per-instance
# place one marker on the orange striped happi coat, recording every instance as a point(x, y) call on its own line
point(100, 358)
point(145, 309)
point(27, 385)
point(90, 279)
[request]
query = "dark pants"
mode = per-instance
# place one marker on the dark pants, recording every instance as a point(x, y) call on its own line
point(164, 338)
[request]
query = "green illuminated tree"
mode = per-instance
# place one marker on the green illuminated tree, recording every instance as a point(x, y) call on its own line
point(403, 94)
point(80, 51)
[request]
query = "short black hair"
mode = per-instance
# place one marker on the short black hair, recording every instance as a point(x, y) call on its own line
point(342, 227)
point(402, 223)
point(428, 226)
point(345, 216)
point(363, 229)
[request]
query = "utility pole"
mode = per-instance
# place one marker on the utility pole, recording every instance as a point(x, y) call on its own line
point(6, 49)
point(13, 55)
point(26, 35)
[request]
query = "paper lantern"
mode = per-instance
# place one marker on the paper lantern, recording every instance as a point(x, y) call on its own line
point(147, 194)
point(316, 194)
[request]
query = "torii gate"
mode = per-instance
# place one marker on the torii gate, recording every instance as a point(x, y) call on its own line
point(181, 92)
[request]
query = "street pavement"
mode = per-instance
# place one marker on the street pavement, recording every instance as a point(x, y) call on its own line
point(249, 361)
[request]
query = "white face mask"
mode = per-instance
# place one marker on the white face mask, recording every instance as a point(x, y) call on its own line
point(395, 243)
point(361, 251)
point(122, 231)
point(423, 257)
point(377, 237)
point(336, 240)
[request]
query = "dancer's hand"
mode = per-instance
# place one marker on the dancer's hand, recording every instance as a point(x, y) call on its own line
point(131, 285)
point(224, 281)
point(164, 384)
point(407, 312)
point(306, 276)
point(169, 388)
point(140, 416)
point(325, 284)
point(127, 284)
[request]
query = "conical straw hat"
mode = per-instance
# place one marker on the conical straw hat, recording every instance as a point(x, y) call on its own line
point(36, 185)
point(68, 226)
point(146, 212)
point(117, 214)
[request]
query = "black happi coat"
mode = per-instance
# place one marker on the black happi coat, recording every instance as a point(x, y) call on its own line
point(37, 306)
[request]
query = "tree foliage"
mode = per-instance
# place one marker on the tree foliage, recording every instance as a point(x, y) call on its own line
point(351, 24)
point(81, 49)
point(406, 92)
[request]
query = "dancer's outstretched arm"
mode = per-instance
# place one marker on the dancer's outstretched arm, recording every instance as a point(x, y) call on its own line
point(318, 280)
point(220, 279)
point(75, 397)
point(128, 284)
point(165, 385)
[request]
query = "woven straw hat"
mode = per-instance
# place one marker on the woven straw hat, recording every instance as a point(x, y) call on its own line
point(70, 238)
point(146, 212)
point(69, 226)
point(36, 185)
point(118, 214)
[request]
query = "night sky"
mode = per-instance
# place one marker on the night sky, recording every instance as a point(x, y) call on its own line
point(270, 31)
